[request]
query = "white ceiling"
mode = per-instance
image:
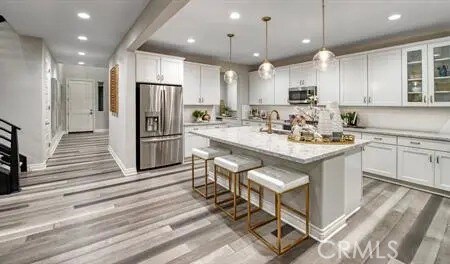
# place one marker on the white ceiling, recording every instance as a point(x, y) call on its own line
point(347, 21)
point(57, 23)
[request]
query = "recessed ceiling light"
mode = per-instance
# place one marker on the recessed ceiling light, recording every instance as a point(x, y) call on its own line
point(81, 53)
point(83, 38)
point(84, 15)
point(394, 17)
point(81, 63)
point(235, 15)
point(256, 54)
point(306, 41)
point(191, 40)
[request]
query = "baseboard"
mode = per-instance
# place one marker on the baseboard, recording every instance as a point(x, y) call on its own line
point(37, 166)
point(125, 171)
point(100, 130)
point(55, 142)
point(408, 185)
point(319, 234)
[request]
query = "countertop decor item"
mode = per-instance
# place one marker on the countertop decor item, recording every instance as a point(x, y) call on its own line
point(206, 116)
point(324, 58)
point(230, 76)
point(308, 139)
point(198, 115)
point(266, 70)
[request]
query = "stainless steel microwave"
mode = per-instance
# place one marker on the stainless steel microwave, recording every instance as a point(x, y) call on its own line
point(301, 95)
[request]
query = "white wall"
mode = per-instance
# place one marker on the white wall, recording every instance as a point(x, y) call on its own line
point(21, 89)
point(98, 74)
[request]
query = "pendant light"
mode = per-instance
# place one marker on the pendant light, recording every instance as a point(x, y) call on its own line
point(230, 76)
point(266, 69)
point(324, 58)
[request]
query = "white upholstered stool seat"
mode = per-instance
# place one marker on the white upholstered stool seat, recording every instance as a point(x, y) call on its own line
point(207, 153)
point(277, 179)
point(237, 163)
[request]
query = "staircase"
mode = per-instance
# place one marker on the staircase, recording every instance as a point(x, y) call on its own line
point(11, 162)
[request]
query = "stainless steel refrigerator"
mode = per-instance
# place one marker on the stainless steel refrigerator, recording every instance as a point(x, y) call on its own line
point(160, 125)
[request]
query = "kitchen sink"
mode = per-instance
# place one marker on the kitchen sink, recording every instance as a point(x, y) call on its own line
point(275, 131)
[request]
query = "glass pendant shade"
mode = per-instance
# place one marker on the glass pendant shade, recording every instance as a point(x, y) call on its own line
point(266, 70)
point(230, 76)
point(324, 59)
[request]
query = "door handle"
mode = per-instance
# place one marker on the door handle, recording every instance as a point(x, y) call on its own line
point(415, 142)
point(370, 99)
point(437, 159)
point(431, 158)
point(153, 140)
point(162, 77)
point(365, 99)
point(431, 99)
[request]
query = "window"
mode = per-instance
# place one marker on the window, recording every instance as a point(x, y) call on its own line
point(100, 97)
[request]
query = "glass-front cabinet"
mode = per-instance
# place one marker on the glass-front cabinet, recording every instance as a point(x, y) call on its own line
point(415, 90)
point(438, 72)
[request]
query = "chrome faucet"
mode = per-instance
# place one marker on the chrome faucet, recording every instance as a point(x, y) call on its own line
point(269, 123)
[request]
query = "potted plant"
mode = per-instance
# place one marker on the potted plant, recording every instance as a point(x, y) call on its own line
point(198, 115)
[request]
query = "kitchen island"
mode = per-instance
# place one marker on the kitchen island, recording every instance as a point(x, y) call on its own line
point(335, 174)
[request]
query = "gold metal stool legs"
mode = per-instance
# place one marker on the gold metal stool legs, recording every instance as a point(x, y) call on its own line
point(278, 248)
point(234, 186)
point(197, 188)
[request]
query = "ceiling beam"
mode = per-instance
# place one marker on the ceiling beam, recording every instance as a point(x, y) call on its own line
point(153, 17)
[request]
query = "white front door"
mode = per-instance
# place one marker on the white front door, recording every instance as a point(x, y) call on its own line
point(81, 105)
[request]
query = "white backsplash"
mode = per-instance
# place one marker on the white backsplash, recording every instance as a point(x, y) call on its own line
point(404, 118)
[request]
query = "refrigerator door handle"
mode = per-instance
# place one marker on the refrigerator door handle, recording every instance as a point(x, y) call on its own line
point(160, 139)
point(161, 112)
point(164, 110)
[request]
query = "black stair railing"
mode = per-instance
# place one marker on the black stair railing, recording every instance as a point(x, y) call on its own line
point(10, 161)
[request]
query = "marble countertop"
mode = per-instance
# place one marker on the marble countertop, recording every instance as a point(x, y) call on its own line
point(276, 145)
point(402, 133)
point(210, 123)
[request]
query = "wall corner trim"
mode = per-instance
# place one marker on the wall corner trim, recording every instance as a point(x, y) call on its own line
point(125, 171)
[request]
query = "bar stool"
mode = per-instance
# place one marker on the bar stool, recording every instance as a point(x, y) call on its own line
point(279, 181)
point(232, 167)
point(205, 154)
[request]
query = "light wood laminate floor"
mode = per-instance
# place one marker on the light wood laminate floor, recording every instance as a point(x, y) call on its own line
point(82, 210)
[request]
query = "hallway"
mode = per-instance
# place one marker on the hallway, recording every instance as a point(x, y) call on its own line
point(79, 159)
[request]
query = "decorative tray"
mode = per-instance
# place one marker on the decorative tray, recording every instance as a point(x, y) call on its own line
point(345, 140)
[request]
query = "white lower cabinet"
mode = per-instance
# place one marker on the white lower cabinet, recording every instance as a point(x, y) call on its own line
point(193, 141)
point(380, 159)
point(442, 170)
point(416, 165)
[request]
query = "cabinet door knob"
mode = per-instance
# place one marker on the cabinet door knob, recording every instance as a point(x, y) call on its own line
point(370, 99)
point(431, 99)
point(431, 158)
point(365, 99)
point(437, 159)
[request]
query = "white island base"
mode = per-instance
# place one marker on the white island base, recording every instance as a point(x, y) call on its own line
point(335, 177)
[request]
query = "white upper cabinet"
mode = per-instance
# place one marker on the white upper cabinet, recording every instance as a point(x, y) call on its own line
point(353, 80)
point(442, 170)
point(210, 85)
point(385, 78)
point(261, 92)
point(328, 85)
point(282, 85)
point(147, 68)
point(302, 74)
point(414, 72)
point(201, 84)
point(191, 87)
point(155, 68)
point(171, 71)
point(439, 74)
